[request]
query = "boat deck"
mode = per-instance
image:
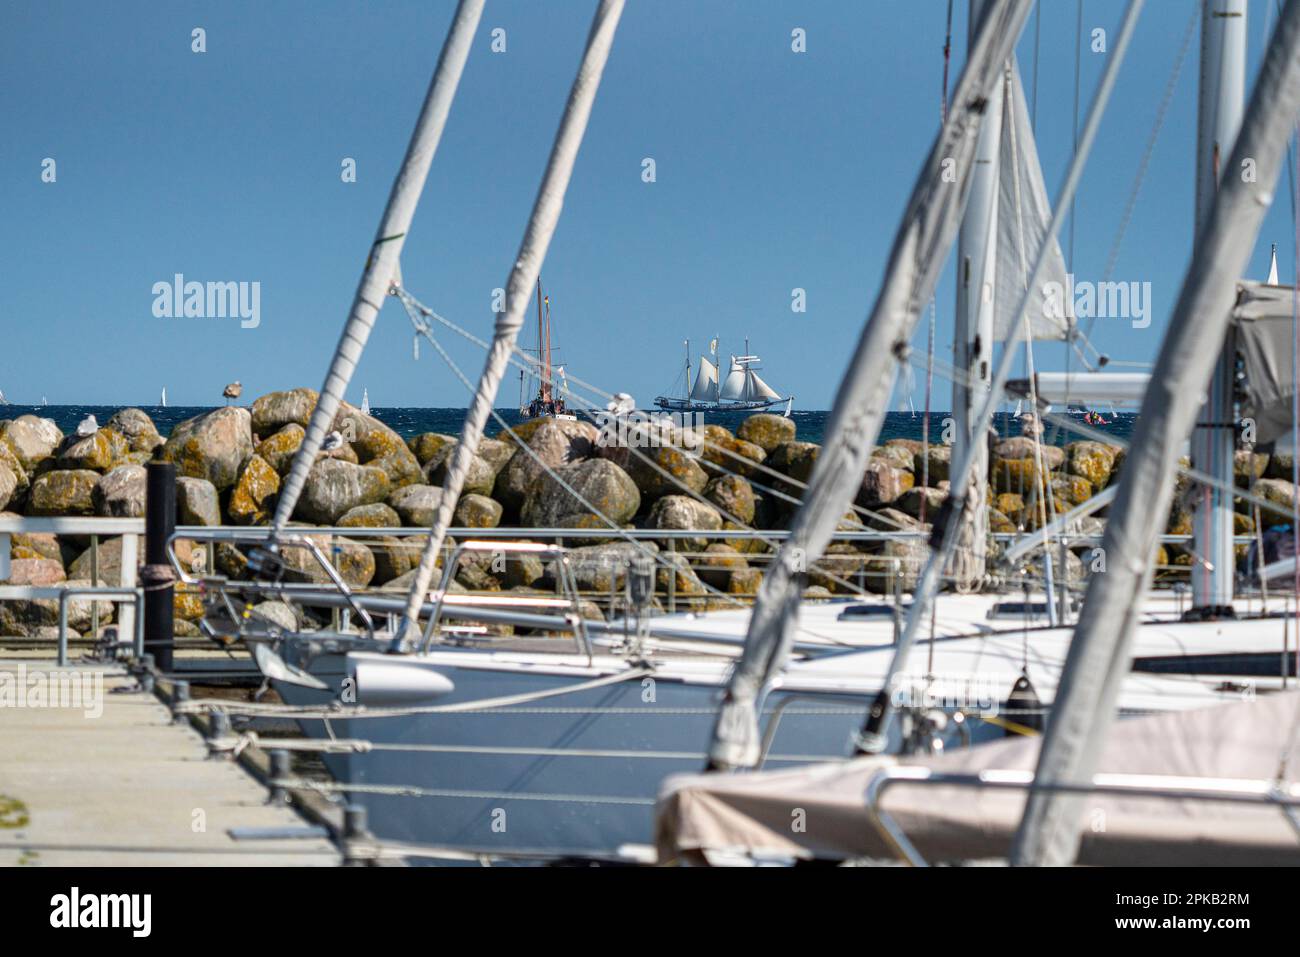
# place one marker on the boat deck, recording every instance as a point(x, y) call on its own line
point(128, 787)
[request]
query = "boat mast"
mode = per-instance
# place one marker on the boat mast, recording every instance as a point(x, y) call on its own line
point(527, 261)
point(545, 378)
point(1222, 95)
point(546, 301)
point(385, 251)
point(973, 329)
point(1101, 652)
point(923, 239)
point(688, 369)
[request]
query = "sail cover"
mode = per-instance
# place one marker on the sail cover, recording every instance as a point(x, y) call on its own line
point(1023, 217)
point(706, 381)
point(699, 816)
point(734, 386)
point(1266, 339)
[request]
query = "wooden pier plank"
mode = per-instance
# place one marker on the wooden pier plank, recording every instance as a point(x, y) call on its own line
point(130, 788)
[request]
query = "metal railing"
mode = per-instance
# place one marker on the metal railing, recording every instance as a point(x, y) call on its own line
point(127, 593)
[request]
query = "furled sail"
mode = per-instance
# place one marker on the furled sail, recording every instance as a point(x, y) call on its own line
point(1266, 341)
point(1023, 217)
point(706, 381)
point(734, 385)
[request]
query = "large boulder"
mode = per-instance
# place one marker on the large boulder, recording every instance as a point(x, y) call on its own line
point(910, 501)
point(8, 485)
point(31, 439)
point(354, 562)
point(275, 410)
point(10, 461)
point(479, 478)
point(680, 512)
point(252, 500)
point(766, 430)
point(416, 504)
point(137, 428)
point(212, 446)
point(729, 454)
point(795, 459)
point(334, 486)
point(477, 511)
point(895, 455)
point(401, 467)
point(67, 492)
point(33, 544)
point(197, 502)
point(932, 464)
point(719, 563)
point(375, 515)
point(37, 572)
point(39, 617)
point(603, 485)
point(99, 451)
point(601, 568)
point(121, 493)
point(553, 442)
point(110, 561)
point(733, 496)
point(883, 483)
point(1017, 475)
point(662, 470)
point(1094, 461)
point(1024, 447)
point(394, 557)
point(279, 448)
point(428, 444)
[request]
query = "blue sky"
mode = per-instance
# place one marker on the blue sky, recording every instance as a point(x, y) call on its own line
point(775, 170)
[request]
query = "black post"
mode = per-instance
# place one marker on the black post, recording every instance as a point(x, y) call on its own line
point(159, 524)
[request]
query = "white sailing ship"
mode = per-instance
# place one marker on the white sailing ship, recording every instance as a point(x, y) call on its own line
point(741, 390)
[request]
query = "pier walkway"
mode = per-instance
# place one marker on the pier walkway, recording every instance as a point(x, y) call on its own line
point(112, 781)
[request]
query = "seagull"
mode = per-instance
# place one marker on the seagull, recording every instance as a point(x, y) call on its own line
point(232, 391)
point(332, 441)
point(621, 404)
point(87, 426)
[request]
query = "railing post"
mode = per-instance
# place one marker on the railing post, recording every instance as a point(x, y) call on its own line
point(160, 523)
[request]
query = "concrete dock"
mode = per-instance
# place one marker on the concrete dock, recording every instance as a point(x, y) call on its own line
point(119, 784)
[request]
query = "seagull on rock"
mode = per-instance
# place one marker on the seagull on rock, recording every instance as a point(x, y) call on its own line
point(87, 426)
point(332, 441)
point(232, 391)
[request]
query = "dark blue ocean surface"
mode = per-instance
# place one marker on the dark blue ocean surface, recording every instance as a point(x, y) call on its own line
point(408, 422)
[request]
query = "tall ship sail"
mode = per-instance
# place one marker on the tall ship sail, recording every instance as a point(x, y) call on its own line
point(548, 402)
point(742, 390)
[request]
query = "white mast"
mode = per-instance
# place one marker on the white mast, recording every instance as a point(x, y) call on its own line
point(973, 327)
point(381, 265)
point(925, 234)
point(1101, 653)
point(527, 266)
point(1222, 93)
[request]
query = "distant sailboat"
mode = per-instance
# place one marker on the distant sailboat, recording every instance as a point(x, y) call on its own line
point(741, 390)
point(163, 399)
point(365, 402)
point(44, 401)
point(3, 400)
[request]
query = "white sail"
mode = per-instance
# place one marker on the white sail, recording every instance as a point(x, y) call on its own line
point(1023, 216)
point(706, 381)
point(758, 389)
point(733, 387)
point(365, 402)
point(163, 403)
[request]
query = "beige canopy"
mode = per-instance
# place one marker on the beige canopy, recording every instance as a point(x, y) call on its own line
point(820, 811)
